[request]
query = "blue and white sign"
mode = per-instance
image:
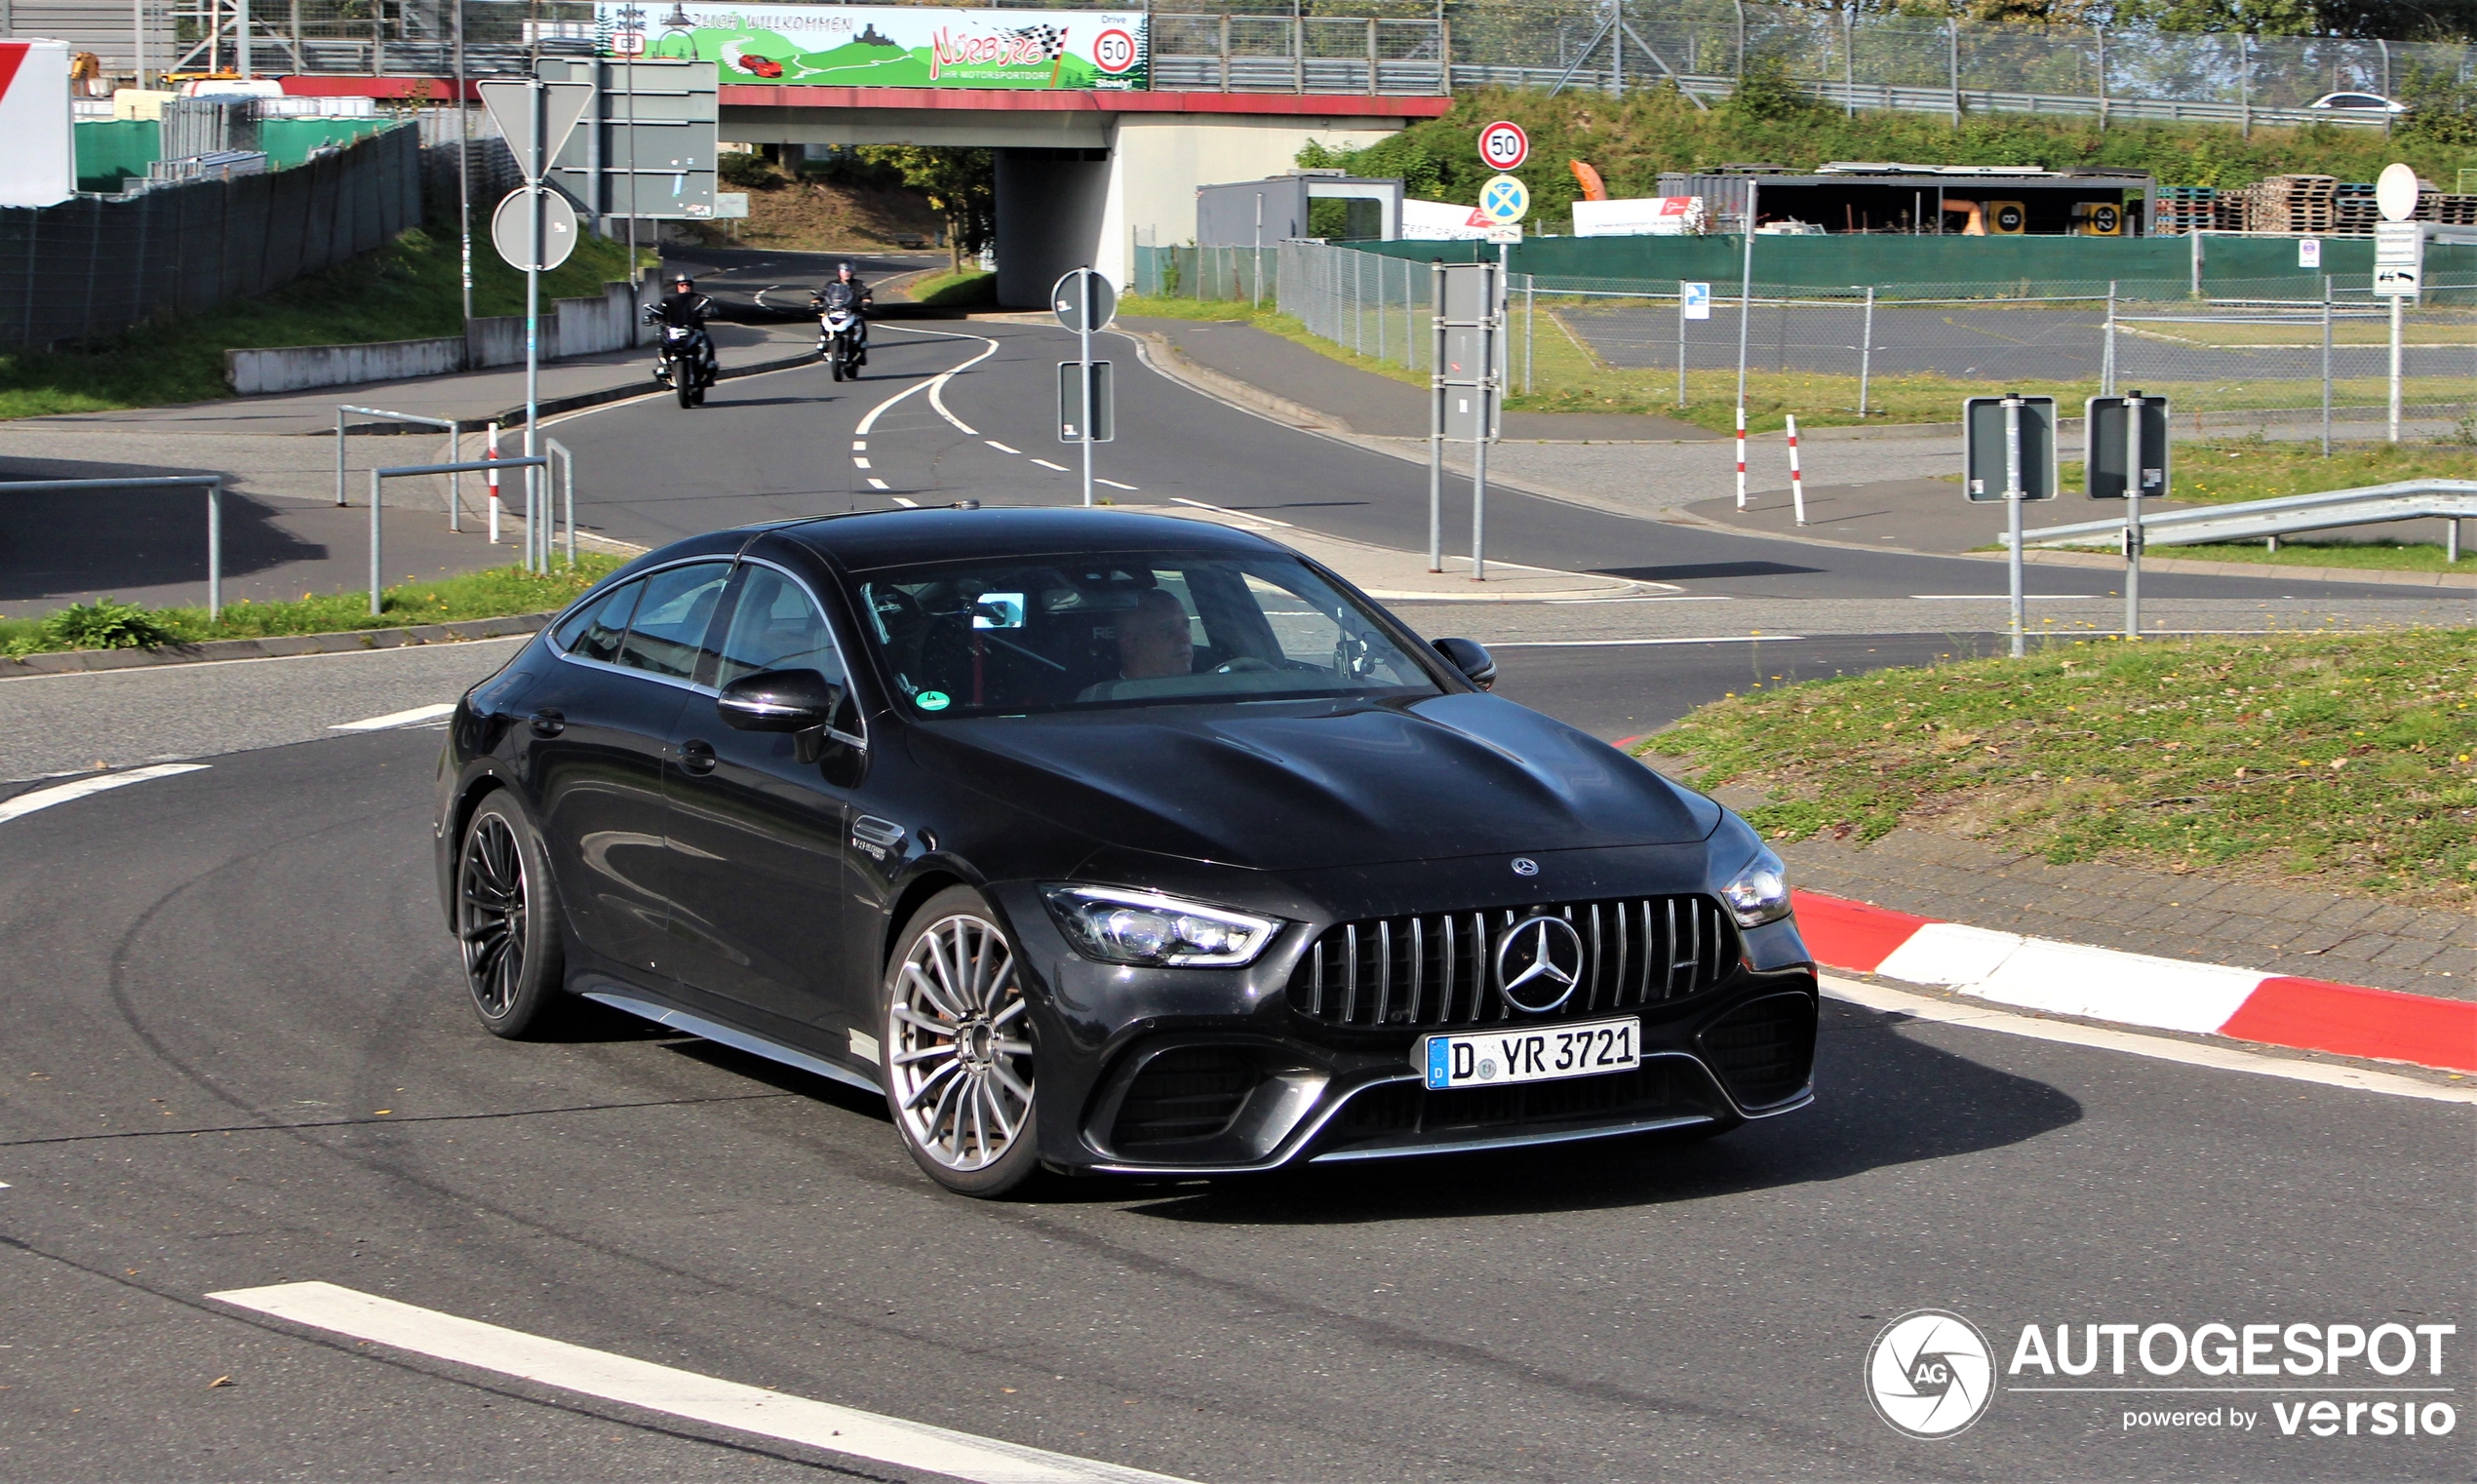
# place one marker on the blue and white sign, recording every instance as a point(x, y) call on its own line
point(1504, 199)
point(1694, 301)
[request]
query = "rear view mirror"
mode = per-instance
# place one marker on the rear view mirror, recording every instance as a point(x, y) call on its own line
point(1472, 658)
point(779, 700)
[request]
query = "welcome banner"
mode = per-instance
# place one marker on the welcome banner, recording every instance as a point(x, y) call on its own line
point(888, 46)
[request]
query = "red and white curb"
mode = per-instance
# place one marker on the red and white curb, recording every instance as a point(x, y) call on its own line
point(2139, 989)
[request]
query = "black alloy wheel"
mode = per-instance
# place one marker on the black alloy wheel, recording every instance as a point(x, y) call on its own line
point(506, 923)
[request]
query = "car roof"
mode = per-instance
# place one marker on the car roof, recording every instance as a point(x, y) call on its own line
point(884, 538)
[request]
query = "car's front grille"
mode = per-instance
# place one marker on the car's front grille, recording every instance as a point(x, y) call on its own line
point(1440, 969)
point(1764, 1049)
point(1188, 1093)
point(1398, 1109)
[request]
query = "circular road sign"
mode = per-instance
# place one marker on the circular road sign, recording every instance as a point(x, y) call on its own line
point(1504, 199)
point(2395, 192)
point(1114, 50)
point(1067, 299)
point(1504, 146)
point(511, 233)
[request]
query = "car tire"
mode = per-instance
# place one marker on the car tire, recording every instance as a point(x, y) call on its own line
point(507, 925)
point(956, 1050)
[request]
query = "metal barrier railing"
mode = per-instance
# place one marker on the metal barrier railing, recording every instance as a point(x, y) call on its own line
point(212, 484)
point(2448, 499)
point(473, 465)
point(552, 447)
point(456, 434)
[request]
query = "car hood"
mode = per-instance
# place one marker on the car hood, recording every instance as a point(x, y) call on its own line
point(1294, 786)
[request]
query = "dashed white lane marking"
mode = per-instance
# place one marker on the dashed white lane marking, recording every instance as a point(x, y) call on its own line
point(875, 483)
point(1236, 514)
point(907, 504)
point(673, 1392)
point(61, 793)
point(860, 445)
point(1046, 464)
point(860, 463)
point(1616, 643)
point(1001, 448)
point(1113, 484)
point(1875, 996)
point(414, 718)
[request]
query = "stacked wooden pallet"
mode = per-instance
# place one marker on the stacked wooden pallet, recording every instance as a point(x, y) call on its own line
point(2186, 208)
point(2353, 210)
point(2452, 210)
point(2300, 204)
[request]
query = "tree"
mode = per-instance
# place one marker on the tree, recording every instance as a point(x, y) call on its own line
point(961, 183)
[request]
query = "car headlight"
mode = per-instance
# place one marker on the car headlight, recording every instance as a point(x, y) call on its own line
point(1120, 926)
point(1759, 893)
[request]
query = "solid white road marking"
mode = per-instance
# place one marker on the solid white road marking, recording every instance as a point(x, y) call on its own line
point(1113, 484)
point(1613, 644)
point(1236, 514)
point(907, 504)
point(1875, 997)
point(1000, 447)
point(936, 384)
point(875, 483)
point(414, 718)
point(1649, 598)
point(61, 793)
point(2000, 596)
point(1046, 464)
point(674, 1392)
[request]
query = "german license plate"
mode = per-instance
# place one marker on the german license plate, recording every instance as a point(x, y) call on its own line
point(1532, 1054)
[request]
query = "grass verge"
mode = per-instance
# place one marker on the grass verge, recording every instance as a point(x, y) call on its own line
point(2361, 555)
point(2344, 762)
point(408, 290)
point(2224, 471)
point(971, 289)
point(495, 593)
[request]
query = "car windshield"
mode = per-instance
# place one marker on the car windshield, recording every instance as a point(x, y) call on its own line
point(985, 637)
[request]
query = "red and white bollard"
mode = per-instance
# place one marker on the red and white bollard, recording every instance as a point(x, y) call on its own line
point(1796, 481)
point(1741, 456)
point(491, 451)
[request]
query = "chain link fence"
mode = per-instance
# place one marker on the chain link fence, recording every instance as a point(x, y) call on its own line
point(2271, 358)
point(94, 264)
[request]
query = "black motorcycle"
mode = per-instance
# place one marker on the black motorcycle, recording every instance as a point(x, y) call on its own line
point(686, 363)
point(839, 330)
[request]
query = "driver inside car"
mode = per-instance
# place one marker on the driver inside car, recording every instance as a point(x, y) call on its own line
point(1154, 640)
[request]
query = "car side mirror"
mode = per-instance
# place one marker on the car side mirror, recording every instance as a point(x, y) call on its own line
point(779, 700)
point(1472, 658)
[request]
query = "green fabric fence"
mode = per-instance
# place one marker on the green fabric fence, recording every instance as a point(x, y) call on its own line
point(109, 153)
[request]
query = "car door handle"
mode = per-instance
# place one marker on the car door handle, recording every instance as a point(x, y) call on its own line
point(547, 722)
point(697, 757)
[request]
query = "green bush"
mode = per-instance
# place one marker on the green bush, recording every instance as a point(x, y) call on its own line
point(107, 623)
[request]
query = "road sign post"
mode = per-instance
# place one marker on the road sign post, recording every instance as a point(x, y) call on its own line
point(1694, 302)
point(2010, 442)
point(1084, 301)
point(2137, 427)
point(536, 117)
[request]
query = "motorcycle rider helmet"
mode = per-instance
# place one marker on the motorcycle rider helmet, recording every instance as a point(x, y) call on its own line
point(842, 269)
point(683, 283)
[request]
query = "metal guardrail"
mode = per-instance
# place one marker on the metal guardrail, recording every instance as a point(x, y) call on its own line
point(454, 431)
point(379, 476)
point(2448, 500)
point(212, 484)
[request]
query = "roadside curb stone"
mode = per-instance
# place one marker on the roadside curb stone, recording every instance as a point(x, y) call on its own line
point(272, 647)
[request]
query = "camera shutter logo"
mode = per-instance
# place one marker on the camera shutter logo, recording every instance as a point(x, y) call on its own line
point(1540, 963)
point(1930, 1374)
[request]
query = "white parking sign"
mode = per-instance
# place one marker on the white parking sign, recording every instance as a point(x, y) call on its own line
point(1694, 301)
point(1504, 199)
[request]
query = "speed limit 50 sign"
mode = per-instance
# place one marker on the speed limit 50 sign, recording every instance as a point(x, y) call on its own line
point(1504, 146)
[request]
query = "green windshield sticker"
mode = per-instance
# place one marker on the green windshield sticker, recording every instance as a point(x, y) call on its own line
point(932, 700)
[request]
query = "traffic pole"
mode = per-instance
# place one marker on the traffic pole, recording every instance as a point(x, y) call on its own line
point(2133, 403)
point(1797, 479)
point(1741, 456)
point(491, 451)
point(2012, 405)
point(1083, 339)
point(534, 200)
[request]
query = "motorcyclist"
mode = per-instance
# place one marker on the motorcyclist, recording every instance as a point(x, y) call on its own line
point(684, 306)
point(848, 287)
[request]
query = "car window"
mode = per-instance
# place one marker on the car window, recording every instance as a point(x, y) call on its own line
point(776, 627)
point(671, 619)
point(594, 630)
point(1106, 629)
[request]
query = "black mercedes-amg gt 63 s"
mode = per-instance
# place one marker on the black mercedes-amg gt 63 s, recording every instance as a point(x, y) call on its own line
point(1106, 842)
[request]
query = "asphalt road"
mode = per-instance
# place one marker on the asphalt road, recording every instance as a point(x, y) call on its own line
point(784, 446)
point(238, 1056)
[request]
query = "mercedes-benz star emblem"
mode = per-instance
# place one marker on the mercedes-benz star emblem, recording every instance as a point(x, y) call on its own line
point(1523, 864)
point(1540, 963)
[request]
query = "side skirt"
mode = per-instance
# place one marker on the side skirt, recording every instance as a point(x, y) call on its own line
point(737, 1039)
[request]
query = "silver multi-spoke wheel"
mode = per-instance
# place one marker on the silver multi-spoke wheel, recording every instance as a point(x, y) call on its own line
point(958, 1050)
point(491, 911)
